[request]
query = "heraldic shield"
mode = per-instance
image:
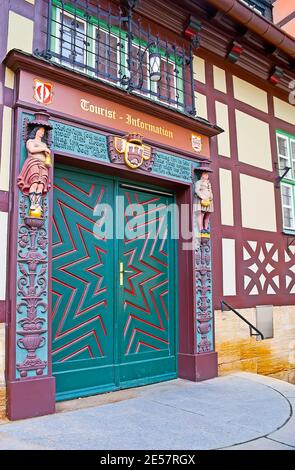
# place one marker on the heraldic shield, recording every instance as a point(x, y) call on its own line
point(131, 151)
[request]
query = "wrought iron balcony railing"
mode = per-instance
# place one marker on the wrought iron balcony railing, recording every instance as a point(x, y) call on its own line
point(108, 42)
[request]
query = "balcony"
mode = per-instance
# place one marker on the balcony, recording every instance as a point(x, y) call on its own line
point(110, 43)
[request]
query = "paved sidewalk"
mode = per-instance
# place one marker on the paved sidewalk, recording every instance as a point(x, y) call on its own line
point(239, 411)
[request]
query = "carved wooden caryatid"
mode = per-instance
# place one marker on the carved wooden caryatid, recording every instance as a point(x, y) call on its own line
point(204, 200)
point(33, 180)
point(203, 207)
point(32, 253)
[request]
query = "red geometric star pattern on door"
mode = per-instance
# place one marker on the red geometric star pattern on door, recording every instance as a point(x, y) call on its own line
point(79, 287)
point(146, 309)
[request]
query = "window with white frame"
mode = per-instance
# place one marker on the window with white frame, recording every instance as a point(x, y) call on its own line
point(140, 69)
point(283, 153)
point(292, 151)
point(167, 86)
point(287, 193)
point(107, 55)
point(71, 33)
point(286, 159)
point(252, 5)
point(87, 44)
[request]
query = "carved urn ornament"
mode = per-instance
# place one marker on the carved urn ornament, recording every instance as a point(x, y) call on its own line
point(33, 180)
point(32, 254)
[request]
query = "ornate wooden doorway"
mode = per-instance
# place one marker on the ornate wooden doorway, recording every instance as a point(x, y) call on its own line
point(114, 312)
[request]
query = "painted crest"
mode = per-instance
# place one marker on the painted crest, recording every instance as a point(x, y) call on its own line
point(197, 142)
point(131, 151)
point(43, 91)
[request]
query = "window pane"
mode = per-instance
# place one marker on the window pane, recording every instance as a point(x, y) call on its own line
point(167, 85)
point(283, 146)
point(286, 190)
point(283, 163)
point(106, 54)
point(287, 200)
point(288, 206)
point(288, 218)
point(72, 39)
point(292, 146)
point(284, 157)
point(139, 67)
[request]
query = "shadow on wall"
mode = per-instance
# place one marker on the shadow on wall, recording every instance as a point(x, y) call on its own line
point(238, 351)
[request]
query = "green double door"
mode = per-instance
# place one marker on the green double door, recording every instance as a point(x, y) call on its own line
point(113, 285)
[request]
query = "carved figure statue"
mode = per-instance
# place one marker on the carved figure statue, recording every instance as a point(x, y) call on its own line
point(203, 191)
point(33, 179)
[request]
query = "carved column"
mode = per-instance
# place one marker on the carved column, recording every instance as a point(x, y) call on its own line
point(31, 388)
point(204, 314)
point(197, 359)
point(206, 356)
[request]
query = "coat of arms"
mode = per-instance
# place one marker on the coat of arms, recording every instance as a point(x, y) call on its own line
point(131, 151)
point(197, 142)
point(43, 91)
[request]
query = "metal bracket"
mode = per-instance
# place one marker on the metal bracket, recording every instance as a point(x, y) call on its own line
point(44, 54)
point(279, 178)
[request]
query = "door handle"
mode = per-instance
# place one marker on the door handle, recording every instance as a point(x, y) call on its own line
point(122, 271)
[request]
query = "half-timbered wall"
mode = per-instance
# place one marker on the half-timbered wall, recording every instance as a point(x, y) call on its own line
point(256, 266)
point(252, 263)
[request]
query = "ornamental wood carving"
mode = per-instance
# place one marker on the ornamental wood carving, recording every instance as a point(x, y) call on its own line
point(131, 151)
point(203, 270)
point(32, 249)
point(31, 289)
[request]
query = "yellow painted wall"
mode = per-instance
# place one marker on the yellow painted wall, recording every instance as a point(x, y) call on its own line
point(9, 78)
point(226, 197)
point(253, 141)
point(2, 369)
point(2, 353)
point(219, 79)
point(257, 203)
point(20, 32)
point(250, 94)
point(201, 105)
point(3, 252)
point(199, 69)
point(5, 149)
point(223, 139)
point(237, 351)
point(284, 111)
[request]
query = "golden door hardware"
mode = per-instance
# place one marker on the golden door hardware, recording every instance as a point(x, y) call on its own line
point(122, 271)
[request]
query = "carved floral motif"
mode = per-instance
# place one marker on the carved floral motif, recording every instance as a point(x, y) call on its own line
point(32, 250)
point(204, 314)
point(204, 291)
point(32, 289)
